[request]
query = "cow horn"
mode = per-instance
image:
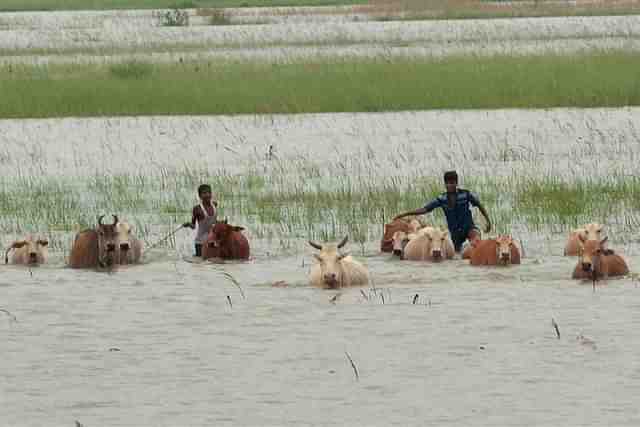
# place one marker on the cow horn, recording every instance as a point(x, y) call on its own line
point(100, 219)
point(343, 242)
point(115, 219)
point(315, 245)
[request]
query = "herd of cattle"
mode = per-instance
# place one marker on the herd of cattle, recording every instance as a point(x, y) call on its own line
point(109, 245)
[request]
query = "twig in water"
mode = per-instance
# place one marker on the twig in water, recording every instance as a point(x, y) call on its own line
point(353, 365)
point(11, 316)
point(382, 296)
point(229, 300)
point(233, 280)
point(555, 326)
point(415, 298)
point(364, 295)
point(164, 238)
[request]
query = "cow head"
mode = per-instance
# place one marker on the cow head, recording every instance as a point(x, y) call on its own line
point(437, 242)
point(107, 241)
point(592, 231)
point(504, 245)
point(400, 240)
point(220, 232)
point(330, 262)
point(591, 253)
point(35, 251)
point(124, 236)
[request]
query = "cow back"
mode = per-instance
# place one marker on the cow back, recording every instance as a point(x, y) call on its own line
point(485, 253)
point(84, 252)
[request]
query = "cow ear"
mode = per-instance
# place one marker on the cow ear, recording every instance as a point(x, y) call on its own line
point(316, 256)
point(43, 242)
point(237, 228)
point(18, 244)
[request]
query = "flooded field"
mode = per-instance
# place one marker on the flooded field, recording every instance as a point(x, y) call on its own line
point(174, 342)
point(116, 36)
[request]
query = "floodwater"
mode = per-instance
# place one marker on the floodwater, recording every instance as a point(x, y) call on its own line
point(173, 343)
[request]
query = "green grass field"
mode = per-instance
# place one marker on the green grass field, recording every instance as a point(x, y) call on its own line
point(25, 5)
point(603, 80)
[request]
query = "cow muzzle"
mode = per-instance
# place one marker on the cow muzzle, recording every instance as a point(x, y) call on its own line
point(111, 247)
point(33, 257)
point(331, 280)
point(124, 246)
point(586, 266)
point(397, 252)
point(436, 255)
point(505, 258)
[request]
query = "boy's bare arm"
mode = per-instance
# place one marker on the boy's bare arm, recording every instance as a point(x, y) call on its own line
point(192, 224)
point(419, 211)
point(484, 213)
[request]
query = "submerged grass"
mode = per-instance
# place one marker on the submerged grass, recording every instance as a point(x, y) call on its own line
point(606, 79)
point(324, 207)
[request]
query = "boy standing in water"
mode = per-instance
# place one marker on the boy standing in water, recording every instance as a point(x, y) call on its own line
point(455, 204)
point(204, 214)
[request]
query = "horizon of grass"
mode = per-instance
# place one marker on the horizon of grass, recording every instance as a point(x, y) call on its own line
point(199, 88)
point(67, 5)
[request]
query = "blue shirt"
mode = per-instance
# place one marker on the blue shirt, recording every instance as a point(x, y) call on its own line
point(459, 217)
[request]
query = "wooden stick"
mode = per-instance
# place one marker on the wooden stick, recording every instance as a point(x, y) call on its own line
point(353, 365)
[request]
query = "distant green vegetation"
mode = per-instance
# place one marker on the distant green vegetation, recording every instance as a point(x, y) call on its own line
point(610, 80)
point(24, 5)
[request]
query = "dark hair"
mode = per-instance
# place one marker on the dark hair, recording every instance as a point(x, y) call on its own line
point(202, 188)
point(450, 176)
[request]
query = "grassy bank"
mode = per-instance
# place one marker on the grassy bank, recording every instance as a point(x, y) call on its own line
point(344, 86)
point(35, 5)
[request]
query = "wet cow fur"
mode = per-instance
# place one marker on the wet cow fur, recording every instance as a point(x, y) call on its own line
point(597, 262)
point(499, 251)
point(429, 244)
point(336, 270)
point(592, 231)
point(226, 241)
point(96, 248)
point(28, 252)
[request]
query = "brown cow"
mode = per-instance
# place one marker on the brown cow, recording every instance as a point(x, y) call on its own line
point(597, 262)
point(592, 231)
point(429, 244)
point(408, 225)
point(96, 248)
point(225, 241)
point(499, 251)
point(336, 270)
point(28, 252)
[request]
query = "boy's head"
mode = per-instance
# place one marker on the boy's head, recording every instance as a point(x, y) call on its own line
point(451, 181)
point(204, 192)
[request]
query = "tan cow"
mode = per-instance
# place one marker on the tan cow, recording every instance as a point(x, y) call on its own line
point(129, 246)
point(429, 244)
point(96, 248)
point(592, 231)
point(597, 262)
point(28, 252)
point(336, 270)
point(502, 250)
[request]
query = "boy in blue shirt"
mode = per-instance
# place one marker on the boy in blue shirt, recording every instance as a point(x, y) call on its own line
point(455, 203)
